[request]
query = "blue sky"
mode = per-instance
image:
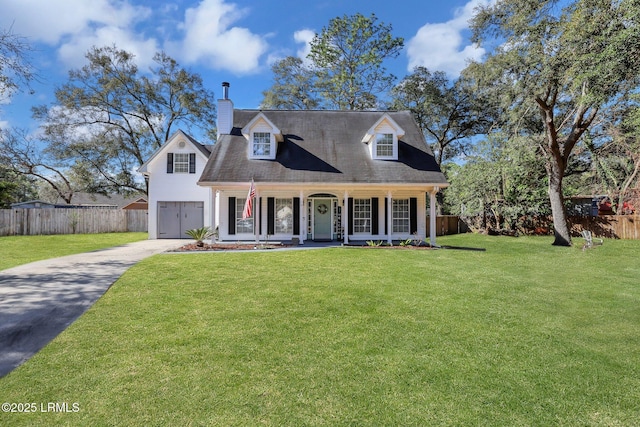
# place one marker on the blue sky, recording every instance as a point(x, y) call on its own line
point(222, 40)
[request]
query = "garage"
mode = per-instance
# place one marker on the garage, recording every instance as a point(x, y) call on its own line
point(174, 218)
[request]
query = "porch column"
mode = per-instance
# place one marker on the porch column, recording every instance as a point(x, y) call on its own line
point(389, 217)
point(345, 218)
point(432, 216)
point(257, 215)
point(303, 223)
point(213, 211)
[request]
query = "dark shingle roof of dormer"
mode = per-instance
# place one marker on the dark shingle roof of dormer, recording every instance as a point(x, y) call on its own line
point(323, 146)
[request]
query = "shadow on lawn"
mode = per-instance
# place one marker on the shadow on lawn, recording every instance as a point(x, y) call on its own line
point(36, 306)
point(463, 248)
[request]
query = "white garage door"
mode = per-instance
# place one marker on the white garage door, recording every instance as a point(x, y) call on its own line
point(174, 218)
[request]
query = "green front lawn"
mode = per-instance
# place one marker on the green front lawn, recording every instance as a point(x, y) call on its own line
point(17, 250)
point(522, 334)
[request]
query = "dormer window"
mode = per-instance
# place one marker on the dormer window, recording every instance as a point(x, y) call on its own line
point(383, 137)
point(262, 136)
point(261, 144)
point(384, 145)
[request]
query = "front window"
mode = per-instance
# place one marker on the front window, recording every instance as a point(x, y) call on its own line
point(384, 145)
point(243, 225)
point(284, 216)
point(261, 144)
point(400, 214)
point(181, 163)
point(361, 215)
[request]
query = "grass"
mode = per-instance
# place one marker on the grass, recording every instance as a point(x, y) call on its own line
point(17, 250)
point(522, 334)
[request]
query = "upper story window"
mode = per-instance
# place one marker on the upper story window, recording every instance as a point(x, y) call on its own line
point(382, 138)
point(384, 145)
point(262, 136)
point(181, 163)
point(261, 144)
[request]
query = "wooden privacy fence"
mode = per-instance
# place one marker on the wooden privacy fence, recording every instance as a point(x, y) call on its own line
point(448, 224)
point(611, 226)
point(24, 222)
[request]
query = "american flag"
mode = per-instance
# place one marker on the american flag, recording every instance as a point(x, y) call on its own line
point(248, 204)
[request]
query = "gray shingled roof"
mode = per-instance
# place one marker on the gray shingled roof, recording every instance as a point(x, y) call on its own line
point(323, 146)
point(204, 148)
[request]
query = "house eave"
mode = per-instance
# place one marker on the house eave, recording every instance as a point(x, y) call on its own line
point(346, 186)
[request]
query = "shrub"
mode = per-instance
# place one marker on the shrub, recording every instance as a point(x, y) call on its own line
point(199, 234)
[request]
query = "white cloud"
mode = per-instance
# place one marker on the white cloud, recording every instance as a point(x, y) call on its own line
point(73, 52)
point(50, 21)
point(210, 38)
point(305, 37)
point(439, 47)
point(301, 37)
point(76, 25)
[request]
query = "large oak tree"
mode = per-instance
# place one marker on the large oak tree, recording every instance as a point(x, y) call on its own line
point(448, 112)
point(110, 116)
point(16, 73)
point(563, 65)
point(16, 70)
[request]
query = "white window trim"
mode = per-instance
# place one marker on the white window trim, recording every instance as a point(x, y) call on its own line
point(367, 221)
point(394, 147)
point(272, 147)
point(261, 124)
point(384, 125)
point(240, 201)
point(280, 203)
point(406, 215)
point(181, 166)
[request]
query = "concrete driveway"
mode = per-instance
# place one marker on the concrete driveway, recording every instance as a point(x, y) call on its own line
point(41, 299)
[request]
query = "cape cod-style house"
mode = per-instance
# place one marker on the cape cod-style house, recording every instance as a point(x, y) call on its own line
point(316, 175)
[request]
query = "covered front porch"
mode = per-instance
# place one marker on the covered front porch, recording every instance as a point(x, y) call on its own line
point(339, 213)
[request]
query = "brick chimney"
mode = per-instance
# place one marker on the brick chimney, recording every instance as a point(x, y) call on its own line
point(225, 112)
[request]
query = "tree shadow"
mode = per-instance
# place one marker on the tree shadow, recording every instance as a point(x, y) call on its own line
point(416, 158)
point(36, 307)
point(293, 156)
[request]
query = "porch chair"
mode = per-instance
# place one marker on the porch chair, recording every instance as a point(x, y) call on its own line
point(589, 240)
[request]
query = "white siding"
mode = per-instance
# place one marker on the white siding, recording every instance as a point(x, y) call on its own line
point(225, 116)
point(175, 187)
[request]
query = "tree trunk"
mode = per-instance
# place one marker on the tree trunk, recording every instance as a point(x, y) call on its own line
point(558, 211)
point(558, 153)
point(627, 183)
